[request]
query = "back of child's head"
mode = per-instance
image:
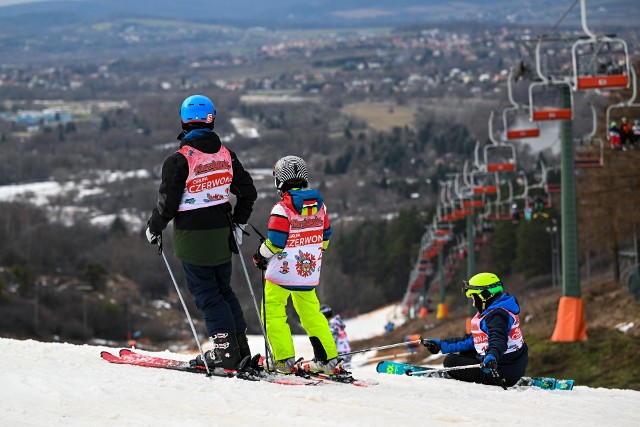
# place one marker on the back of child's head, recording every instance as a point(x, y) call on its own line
point(290, 172)
point(326, 310)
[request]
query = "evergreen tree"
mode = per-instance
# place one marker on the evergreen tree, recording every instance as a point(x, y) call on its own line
point(502, 248)
point(533, 248)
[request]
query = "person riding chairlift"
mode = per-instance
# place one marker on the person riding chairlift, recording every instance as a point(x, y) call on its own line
point(615, 136)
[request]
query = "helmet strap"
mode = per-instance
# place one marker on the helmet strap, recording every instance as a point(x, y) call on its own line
point(188, 127)
point(292, 183)
point(478, 302)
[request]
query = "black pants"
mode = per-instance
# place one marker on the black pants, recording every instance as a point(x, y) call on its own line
point(212, 293)
point(472, 375)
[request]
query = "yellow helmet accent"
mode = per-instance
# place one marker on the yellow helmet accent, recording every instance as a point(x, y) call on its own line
point(484, 284)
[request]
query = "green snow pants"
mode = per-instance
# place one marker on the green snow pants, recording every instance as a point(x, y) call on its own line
point(314, 323)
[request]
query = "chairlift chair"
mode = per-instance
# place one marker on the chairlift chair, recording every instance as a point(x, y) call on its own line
point(584, 156)
point(517, 123)
point(584, 153)
point(473, 203)
point(516, 117)
point(499, 214)
point(483, 183)
point(541, 109)
point(552, 181)
point(522, 175)
point(548, 89)
point(499, 156)
point(625, 105)
point(589, 69)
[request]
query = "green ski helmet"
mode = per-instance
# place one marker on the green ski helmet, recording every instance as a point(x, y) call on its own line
point(483, 285)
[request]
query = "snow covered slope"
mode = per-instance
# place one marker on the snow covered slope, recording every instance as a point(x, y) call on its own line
point(44, 384)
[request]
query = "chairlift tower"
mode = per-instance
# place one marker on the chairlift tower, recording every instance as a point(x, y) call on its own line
point(571, 323)
point(586, 53)
point(471, 260)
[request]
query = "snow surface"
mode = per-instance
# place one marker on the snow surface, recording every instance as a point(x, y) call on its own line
point(54, 384)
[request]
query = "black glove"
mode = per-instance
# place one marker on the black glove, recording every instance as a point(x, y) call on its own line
point(433, 345)
point(489, 364)
point(260, 261)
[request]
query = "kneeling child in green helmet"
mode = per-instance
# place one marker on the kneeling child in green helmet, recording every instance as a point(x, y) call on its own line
point(495, 341)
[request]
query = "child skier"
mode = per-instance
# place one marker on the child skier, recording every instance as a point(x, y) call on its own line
point(298, 234)
point(495, 339)
point(339, 334)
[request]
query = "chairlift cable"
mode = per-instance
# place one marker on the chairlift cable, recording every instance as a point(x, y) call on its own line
point(564, 15)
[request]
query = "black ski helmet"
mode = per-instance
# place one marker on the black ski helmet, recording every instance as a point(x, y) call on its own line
point(326, 310)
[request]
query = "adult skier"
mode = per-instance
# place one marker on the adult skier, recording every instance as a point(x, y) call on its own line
point(194, 193)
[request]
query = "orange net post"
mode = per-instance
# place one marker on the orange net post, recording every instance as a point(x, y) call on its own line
point(571, 325)
point(423, 312)
point(443, 311)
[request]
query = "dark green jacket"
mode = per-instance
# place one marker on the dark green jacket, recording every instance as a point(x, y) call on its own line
point(201, 236)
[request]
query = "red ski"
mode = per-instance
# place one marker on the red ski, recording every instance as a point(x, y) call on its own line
point(129, 357)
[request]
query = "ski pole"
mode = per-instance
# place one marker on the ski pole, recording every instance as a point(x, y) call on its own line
point(383, 347)
point(264, 320)
point(184, 306)
point(453, 368)
point(393, 356)
point(264, 308)
point(498, 379)
point(258, 233)
point(494, 373)
point(255, 304)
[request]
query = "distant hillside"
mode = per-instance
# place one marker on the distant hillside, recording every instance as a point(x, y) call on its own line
point(322, 13)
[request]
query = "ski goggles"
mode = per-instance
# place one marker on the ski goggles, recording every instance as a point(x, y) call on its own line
point(469, 290)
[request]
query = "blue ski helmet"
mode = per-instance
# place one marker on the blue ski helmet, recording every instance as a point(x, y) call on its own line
point(197, 109)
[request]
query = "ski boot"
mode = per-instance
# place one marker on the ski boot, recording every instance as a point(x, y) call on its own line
point(225, 355)
point(287, 366)
point(328, 367)
point(243, 345)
